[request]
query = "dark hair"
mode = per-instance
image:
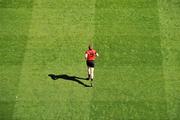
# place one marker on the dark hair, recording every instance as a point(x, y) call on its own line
point(90, 47)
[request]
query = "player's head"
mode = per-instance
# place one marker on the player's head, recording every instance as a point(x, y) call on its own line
point(90, 47)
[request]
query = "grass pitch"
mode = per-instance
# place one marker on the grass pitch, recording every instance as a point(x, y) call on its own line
point(137, 73)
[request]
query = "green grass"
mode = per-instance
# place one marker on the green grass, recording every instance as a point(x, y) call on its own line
point(137, 73)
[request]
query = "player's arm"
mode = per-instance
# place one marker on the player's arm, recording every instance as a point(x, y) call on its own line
point(86, 55)
point(97, 54)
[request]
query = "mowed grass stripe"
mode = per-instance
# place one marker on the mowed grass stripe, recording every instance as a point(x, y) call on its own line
point(57, 41)
point(129, 78)
point(14, 28)
point(170, 43)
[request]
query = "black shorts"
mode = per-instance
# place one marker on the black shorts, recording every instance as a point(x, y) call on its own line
point(90, 63)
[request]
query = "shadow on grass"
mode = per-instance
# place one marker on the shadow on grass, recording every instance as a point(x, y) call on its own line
point(69, 78)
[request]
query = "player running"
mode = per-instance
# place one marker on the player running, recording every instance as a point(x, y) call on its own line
point(90, 57)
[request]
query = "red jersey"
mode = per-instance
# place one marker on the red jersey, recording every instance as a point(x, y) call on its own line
point(91, 54)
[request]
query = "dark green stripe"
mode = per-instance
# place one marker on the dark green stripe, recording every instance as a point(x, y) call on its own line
point(13, 38)
point(16, 3)
point(131, 85)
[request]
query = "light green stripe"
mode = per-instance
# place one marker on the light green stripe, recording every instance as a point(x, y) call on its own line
point(168, 12)
point(55, 34)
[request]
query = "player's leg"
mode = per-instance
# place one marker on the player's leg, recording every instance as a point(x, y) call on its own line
point(89, 72)
point(92, 73)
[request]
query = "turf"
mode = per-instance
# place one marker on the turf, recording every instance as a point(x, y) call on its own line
point(137, 73)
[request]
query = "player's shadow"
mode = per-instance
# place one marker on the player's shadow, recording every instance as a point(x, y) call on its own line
point(70, 78)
